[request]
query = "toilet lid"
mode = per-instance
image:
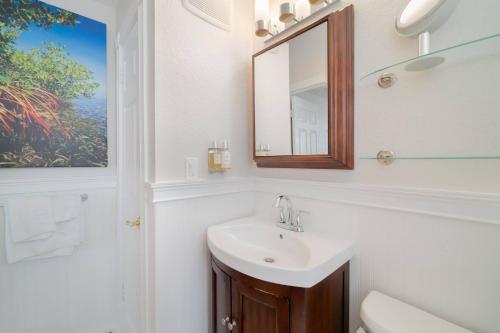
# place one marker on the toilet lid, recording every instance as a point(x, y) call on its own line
point(383, 314)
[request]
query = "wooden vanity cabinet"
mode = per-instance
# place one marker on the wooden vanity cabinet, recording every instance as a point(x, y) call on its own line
point(256, 306)
point(221, 298)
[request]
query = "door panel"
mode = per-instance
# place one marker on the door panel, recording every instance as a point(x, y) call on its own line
point(309, 126)
point(130, 184)
point(221, 289)
point(255, 311)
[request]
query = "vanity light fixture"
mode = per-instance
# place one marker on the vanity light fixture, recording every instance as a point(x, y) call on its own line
point(294, 11)
point(290, 11)
point(287, 12)
point(262, 21)
point(420, 18)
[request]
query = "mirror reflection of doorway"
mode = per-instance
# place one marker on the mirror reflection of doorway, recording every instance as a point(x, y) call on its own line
point(309, 115)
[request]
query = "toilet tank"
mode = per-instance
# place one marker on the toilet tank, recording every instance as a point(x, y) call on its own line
point(383, 314)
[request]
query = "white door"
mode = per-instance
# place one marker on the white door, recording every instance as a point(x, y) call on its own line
point(309, 127)
point(130, 184)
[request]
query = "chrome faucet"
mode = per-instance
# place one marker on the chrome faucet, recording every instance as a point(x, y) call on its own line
point(289, 219)
point(285, 211)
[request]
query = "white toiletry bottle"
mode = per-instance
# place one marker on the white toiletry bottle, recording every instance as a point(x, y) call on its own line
point(225, 156)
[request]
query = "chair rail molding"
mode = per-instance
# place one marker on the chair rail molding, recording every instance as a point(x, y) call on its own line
point(182, 190)
point(43, 185)
point(458, 205)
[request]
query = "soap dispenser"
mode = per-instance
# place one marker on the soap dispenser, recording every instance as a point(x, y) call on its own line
point(214, 158)
point(225, 156)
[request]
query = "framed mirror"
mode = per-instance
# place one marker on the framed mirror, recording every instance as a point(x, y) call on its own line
point(303, 97)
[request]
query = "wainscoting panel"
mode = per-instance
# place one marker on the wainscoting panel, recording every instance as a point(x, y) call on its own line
point(433, 249)
point(183, 212)
point(66, 294)
point(436, 250)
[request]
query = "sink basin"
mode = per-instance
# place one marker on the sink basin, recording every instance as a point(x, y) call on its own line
point(258, 248)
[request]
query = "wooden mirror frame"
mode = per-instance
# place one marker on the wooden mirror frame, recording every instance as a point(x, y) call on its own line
point(340, 99)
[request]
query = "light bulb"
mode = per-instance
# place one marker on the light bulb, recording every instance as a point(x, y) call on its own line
point(417, 10)
point(261, 10)
point(302, 9)
point(287, 12)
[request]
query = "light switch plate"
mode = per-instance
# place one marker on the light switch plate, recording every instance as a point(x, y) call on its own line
point(192, 168)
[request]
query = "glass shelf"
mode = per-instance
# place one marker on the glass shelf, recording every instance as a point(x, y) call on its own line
point(434, 158)
point(448, 113)
point(485, 46)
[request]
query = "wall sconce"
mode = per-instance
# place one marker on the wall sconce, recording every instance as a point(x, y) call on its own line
point(262, 22)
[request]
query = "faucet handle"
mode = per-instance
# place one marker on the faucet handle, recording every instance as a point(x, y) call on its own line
point(297, 218)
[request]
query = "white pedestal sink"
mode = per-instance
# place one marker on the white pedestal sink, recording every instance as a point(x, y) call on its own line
point(258, 248)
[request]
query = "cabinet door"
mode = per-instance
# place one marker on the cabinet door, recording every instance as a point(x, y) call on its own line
point(221, 289)
point(256, 311)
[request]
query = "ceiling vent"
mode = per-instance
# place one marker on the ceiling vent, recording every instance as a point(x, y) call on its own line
point(216, 12)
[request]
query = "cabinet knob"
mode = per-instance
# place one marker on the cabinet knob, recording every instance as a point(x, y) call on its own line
point(224, 321)
point(232, 325)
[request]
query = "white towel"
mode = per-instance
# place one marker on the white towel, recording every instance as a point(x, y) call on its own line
point(67, 236)
point(43, 227)
point(67, 251)
point(30, 218)
point(66, 207)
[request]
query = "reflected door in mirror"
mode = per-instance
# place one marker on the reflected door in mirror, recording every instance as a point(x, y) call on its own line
point(291, 96)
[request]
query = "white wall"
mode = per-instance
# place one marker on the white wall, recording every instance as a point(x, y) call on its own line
point(202, 78)
point(272, 101)
point(308, 58)
point(77, 293)
point(202, 93)
point(456, 115)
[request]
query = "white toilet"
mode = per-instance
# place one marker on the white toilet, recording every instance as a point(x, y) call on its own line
point(384, 314)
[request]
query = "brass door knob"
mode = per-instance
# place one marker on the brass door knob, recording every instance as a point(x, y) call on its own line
point(231, 326)
point(134, 223)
